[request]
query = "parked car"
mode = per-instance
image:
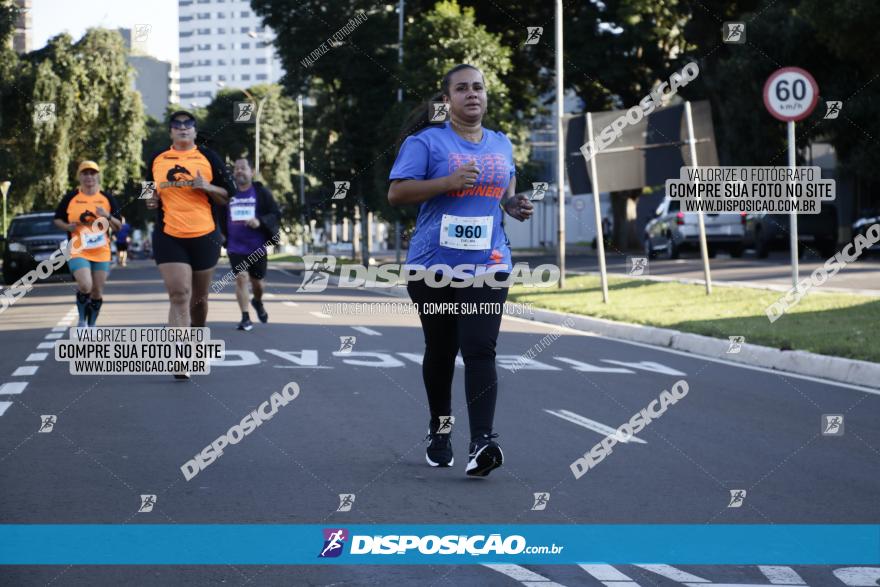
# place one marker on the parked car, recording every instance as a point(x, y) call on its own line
point(672, 231)
point(31, 238)
point(767, 232)
point(867, 218)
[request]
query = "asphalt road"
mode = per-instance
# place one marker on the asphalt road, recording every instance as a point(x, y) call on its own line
point(358, 424)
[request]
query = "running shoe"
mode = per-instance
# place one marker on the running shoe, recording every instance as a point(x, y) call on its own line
point(439, 451)
point(245, 324)
point(485, 455)
point(82, 324)
point(261, 311)
point(182, 376)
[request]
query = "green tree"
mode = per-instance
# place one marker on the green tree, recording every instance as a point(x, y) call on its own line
point(97, 115)
point(279, 137)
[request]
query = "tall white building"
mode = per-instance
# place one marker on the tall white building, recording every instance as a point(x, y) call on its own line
point(222, 43)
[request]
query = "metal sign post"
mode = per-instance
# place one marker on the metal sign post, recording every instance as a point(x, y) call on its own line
point(600, 238)
point(704, 247)
point(790, 94)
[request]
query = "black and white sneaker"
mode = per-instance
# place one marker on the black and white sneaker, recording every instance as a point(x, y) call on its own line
point(245, 324)
point(261, 310)
point(439, 452)
point(484, 456)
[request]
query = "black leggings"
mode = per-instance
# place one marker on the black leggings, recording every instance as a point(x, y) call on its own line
point(474, 330)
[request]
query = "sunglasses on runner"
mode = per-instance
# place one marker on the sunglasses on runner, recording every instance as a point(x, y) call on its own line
point(190, 123)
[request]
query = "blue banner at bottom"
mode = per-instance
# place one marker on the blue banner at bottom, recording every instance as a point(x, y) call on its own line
point(220, 544)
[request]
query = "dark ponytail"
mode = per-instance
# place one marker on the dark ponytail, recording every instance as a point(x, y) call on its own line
point(418, 118)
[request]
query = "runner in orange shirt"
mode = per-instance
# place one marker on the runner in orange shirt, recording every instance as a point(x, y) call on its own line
point(86, 214)
point(192, 187)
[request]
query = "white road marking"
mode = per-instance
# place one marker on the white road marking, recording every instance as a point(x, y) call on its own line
point(605, 573)
point(320, 315)
point(581, 366)
point(858, 576)
point(244, 358)
point(692, 356)
point(22, 371)
point(45, 345)
point(4, 406)
point(37, 357)
point(289, 303)
point(305, 358)
point(13, 388)
point(66, 322)
point(368, 331)
point(671, 572)
point(781, 575)
point(417, 358)
point(524, 575)
point(54, 335)
point(647, 366)
point(383, 360)
point(59, 329)
point(268, 295)
point(592, 425)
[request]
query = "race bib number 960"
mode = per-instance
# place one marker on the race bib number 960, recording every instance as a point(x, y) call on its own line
point(473, 233)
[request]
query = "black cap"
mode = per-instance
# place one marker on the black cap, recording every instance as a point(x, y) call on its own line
point(180, 113)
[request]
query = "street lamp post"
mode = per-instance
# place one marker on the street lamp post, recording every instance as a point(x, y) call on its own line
point(4, 188)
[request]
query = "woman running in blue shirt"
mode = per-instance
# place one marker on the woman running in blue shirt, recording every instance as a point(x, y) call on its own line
point(462, 176)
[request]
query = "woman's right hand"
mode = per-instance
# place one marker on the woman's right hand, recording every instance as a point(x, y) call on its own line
point(464, 177)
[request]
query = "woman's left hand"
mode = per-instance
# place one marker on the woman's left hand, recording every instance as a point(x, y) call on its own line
point(519, 207)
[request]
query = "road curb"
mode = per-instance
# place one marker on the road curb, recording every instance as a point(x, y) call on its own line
point(851, 371)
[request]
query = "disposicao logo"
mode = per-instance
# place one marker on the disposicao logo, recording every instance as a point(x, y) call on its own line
point(334, 542)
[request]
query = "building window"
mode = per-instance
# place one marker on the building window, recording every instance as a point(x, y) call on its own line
point(186, 49)
point(245, 29)
point(245, 14)
point(245, 45)
point(261, 61)
point(221, 31)
point(204, 78)
point(187, 80)
point(261, 76)
point(187, 96)
point(221, 46)
point(245, 77)
point(186, 34)
point(185, 65)
point(221, 78)
point(263, 44)
point(203, 15)
point(203, 31)
point(203, 47)
point(221, 62)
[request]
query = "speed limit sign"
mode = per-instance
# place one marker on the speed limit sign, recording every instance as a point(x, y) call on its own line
point(790, 94)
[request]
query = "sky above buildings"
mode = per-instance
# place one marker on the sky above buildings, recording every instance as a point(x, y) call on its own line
point(52, 17)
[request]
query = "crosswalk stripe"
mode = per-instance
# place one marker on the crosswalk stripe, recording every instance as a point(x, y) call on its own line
point(13, 388)
point(4, 406)
point(21, 371)
point(37, 357)
point(320, 315)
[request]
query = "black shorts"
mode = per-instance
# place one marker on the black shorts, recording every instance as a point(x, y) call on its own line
point(121, 247)
point(256, 267)
point(200, 253)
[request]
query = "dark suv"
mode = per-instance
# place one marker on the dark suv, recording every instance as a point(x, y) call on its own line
point(766, 232)
point(30, 240)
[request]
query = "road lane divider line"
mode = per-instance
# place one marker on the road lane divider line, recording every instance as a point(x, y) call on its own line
point(53, 336)
point(4, 406)
point(43, 346)
point(24, 371)
point(320, 315)
point(37, 357)
point(592, 425)
point(524, 575)
point(13, 388)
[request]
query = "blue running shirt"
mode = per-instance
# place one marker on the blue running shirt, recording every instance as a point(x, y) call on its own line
point(470, 219)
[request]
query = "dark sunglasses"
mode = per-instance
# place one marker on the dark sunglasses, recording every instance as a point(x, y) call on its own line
point(189, 123)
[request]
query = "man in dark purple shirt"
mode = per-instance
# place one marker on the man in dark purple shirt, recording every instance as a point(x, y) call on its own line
point(252, 223)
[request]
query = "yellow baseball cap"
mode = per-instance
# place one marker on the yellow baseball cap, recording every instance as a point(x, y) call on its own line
point(88, 165)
